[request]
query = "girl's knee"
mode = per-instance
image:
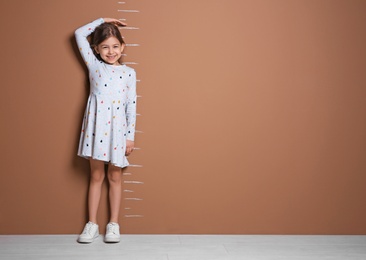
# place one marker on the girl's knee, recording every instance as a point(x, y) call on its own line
point(114, 178)
point(97, 176)
point(97, 172)
point(114, 175)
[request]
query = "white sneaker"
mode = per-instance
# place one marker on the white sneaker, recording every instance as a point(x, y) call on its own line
point(90, 232)
point(112, 234)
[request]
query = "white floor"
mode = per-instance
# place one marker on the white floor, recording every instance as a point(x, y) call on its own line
point(185, 247)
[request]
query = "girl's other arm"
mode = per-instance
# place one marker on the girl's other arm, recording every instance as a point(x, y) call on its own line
point(131, 113)
point(131, 106)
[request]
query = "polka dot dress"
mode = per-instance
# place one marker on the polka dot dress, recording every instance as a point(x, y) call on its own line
point(110, 113)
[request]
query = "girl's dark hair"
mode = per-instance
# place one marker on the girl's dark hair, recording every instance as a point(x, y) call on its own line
point(103, 32)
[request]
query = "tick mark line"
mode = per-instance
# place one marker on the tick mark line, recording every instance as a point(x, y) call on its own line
point(134, 165)
point(133, 182)
point(129, 11)
point(133, 199)
point(130, 28)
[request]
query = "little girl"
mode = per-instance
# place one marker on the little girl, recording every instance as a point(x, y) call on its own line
point(108, 128)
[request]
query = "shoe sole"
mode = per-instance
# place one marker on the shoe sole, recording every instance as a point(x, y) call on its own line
point(112, 240)
point(86, 240)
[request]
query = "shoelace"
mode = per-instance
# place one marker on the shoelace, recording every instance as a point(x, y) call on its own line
point(111, 228)
point(88, 228)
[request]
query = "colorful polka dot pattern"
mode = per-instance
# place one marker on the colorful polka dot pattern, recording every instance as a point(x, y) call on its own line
point(110, 114)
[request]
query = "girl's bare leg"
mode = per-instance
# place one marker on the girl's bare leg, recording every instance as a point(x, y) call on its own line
point(97, 174)
point(115, 191)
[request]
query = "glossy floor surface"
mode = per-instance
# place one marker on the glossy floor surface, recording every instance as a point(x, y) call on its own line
point(185, 247)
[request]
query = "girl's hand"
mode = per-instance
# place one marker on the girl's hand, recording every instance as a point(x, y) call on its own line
point(130, 145)
point(114, 21)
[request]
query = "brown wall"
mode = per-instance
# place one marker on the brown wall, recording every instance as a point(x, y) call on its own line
point(252, 112)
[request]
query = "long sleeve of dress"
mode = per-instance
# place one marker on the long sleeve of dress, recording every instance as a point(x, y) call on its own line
point(131, 106)
point(81, 35)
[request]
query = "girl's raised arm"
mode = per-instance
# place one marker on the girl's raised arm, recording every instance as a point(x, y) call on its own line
point(81, 35)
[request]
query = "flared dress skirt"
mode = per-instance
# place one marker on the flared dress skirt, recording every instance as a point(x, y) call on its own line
point(103, 134)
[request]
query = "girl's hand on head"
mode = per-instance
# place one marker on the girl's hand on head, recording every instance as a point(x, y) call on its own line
point(130, 145)
point(114, 21)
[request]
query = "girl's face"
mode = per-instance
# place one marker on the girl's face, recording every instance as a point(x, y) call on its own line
point(110, 50)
